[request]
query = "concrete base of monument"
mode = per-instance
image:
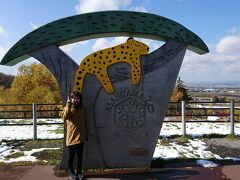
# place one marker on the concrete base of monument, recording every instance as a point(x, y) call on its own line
point(96, 172)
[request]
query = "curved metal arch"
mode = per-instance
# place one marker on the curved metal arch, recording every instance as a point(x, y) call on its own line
point(103, 24)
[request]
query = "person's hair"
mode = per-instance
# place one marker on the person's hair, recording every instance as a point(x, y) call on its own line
point(76, 94)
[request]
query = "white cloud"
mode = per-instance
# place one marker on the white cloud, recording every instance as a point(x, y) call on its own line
point(152, 44)
point(5, 69)
point(103, 43)
point(138, 9)
point(229, 44)
point(220, 64)
point(70, 47)
point(8, 70)
point(85, 6)
point(234, 31)
point(14, 69)
point(232, 68)
point(34, 26)
point(3, 32)
point(3, 51)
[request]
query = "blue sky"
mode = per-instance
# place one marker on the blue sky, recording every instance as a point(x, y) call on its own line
point(216, 22)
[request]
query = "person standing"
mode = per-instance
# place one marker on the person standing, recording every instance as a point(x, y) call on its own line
point(75, 116)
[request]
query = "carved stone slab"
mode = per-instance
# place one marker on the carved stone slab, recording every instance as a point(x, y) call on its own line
point(127, 123)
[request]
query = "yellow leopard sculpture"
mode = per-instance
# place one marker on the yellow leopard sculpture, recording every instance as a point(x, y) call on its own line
point(98, 62)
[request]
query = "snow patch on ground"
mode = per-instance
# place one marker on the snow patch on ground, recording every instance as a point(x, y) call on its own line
point(26, 157)
point(5, 150)
point(193, 149)
point(168, 129)
point(26, 132)
point(206, 163)
point(198, 129)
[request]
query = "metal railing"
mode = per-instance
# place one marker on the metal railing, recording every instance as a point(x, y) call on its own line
point(224, 109)
point(30, 111)
point(184, 110)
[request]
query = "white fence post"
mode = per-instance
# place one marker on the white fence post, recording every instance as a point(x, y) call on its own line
point(34, 112)
point(183, 119)
point(232, 116)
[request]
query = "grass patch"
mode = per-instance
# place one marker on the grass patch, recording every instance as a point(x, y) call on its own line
point(183, 157)
point(232, 137)
point(48, 156)
point(52, 156)
point(196, 155)
point(24, 121)
point(14, 155)
point(183, 140)
point(59, 130)
point(14, 143)
point(41, 121)
point(210, 136)
point(165, 142)
point(24, 163)
point(29, 145)
point(176, 138)
point(5, 121)
point(174, 125)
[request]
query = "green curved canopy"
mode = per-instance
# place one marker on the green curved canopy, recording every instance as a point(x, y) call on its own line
point(103, 24)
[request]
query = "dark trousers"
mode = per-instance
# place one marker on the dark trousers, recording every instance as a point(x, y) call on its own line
point(72, 150)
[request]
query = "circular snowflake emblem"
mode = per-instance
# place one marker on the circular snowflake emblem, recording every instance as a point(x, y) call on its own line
point(129, 114)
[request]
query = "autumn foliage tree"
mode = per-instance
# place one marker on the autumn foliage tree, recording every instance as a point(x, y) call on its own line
point(34, 84)
point(1, 94)
point(180, 92)
point(5, 84)
point(6, 80)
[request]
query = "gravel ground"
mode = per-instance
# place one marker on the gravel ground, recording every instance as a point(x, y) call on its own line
point(224, 147)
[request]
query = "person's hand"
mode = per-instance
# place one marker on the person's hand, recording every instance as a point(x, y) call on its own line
point(69, 101)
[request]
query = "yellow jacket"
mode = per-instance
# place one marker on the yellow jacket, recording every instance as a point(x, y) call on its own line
point(77, 125)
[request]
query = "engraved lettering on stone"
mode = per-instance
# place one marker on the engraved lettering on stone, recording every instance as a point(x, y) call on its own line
point(138, 152)
point(129, 114)
point(129, 108)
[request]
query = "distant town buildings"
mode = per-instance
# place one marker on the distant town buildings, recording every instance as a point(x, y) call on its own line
point(203, 99)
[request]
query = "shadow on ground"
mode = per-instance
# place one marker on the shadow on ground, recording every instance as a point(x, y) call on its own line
point(160, 174)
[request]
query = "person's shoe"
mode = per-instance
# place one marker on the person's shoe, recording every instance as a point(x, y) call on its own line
point(80, 176)
point(72, 175)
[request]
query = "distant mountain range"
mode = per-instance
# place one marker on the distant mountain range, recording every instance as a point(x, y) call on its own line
point(205, 84)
